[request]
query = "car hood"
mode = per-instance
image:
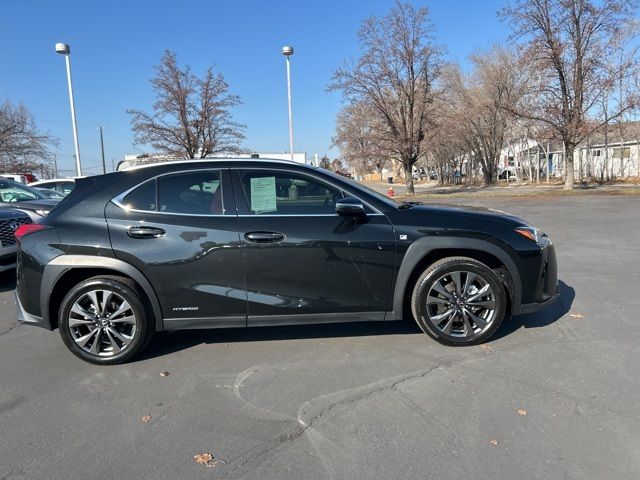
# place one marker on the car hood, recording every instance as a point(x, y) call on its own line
point(44, 204)
point(462, 215)
point(8, 213)
point(485, 212)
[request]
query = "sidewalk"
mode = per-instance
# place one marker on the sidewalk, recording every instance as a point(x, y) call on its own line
point(435, 190)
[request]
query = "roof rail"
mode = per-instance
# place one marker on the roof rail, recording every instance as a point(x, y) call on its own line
point(210, 160)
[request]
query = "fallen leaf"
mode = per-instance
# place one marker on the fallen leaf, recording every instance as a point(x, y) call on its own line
point(494, 442)
point(522, 412)
point(203, 458)
point(164, 374)
point(207, 460)
point(145, 418)
point(576, 315)
point(486, 347)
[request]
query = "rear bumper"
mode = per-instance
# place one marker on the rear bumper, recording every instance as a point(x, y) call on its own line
point(27, 319)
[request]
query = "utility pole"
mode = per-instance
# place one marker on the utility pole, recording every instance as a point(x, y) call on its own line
point(55, 165)
point(104, 165)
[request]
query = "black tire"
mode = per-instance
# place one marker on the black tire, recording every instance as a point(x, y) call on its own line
point(123, 288)
point(423, 313)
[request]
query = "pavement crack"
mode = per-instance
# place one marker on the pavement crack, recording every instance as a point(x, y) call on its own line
point(288, 437)
point(369, 393)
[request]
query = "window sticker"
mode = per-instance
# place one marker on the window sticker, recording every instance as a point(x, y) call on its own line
point(263, 195)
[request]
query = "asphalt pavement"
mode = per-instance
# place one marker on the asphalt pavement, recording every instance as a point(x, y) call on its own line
point(555, 395)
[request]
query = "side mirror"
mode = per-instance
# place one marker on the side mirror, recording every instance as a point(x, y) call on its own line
point(350, 207)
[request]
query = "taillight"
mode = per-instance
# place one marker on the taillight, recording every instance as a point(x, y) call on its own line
point(28, 229)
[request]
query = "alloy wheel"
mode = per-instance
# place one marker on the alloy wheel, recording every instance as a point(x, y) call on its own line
point(461, 304)
point(102, 323)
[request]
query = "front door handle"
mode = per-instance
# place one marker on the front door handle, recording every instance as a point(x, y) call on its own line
point(145, 232)
point(264, 237)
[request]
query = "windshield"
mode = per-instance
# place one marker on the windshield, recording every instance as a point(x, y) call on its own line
point(11, 191)
point(369, 190)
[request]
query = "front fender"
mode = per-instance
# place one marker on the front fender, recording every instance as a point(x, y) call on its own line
point(423, 246)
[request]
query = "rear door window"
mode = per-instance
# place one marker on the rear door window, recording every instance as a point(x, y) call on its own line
point(192, 193)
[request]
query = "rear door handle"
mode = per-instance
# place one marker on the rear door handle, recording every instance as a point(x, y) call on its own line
point(145, 232)
point(264, 237)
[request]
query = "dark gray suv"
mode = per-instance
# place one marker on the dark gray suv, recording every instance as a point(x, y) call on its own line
point(241, 243)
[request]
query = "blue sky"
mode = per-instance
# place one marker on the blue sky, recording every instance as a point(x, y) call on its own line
point(115, 44)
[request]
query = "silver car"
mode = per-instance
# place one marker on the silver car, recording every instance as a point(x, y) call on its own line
point(10, 220)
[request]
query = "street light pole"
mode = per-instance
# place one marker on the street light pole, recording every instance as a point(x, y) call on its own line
point(65, 50)
point(104, 165)
point(287, 52)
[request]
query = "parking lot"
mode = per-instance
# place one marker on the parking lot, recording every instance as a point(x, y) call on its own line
point(553, 395)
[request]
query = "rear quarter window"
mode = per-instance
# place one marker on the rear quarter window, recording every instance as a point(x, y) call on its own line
point(142, 198)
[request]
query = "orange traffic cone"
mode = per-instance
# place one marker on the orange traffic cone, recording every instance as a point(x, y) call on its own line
point(390, 192)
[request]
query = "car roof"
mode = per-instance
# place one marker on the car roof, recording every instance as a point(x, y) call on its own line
point(245, 160)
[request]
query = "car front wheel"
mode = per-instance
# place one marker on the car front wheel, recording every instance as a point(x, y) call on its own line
point(459, 301)
point(103, 320)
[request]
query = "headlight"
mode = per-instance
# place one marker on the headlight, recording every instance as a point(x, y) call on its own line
point(531, 232)
point(42, 213)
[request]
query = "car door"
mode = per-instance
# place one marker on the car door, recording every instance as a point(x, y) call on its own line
point(302, 261)
point(180, 230)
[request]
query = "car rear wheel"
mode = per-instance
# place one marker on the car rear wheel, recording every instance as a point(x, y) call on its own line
point(459, 301)
point(104, 320)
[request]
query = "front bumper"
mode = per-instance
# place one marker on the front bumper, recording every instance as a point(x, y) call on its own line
point(7, 261)
point(546, 287)
point(534, 307)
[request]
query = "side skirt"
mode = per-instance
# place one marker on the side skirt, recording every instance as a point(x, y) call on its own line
point(271, 320)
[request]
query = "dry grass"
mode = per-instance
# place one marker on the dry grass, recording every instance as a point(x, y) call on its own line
point(524, 192)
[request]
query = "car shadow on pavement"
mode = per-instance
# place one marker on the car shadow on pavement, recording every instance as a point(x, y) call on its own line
point(541, 318)
point(169, 342)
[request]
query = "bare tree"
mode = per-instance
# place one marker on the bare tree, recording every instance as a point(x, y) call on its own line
point(23, 148)
point(395, 76)
point(476, 103)
point(325, 163)
point(360, 137)
point(191, 116)
point(564, 44)
point(337, 165)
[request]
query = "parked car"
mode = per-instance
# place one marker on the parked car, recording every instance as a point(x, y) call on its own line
point(27, 199)
point(51, 194)
point(230, 243)
point(64, 186)
point(19, 177)
point(419, 173)
point(10, 220)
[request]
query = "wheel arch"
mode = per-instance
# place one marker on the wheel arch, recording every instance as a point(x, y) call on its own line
point(67, 270)
point(427, 250)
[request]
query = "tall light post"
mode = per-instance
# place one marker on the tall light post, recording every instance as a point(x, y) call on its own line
point(64, 49)
point(104, 165)
point(287, 52)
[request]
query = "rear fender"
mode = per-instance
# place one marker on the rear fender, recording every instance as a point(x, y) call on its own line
point(62, 264)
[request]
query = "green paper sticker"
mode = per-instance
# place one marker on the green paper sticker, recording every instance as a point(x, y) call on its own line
point(263, 195)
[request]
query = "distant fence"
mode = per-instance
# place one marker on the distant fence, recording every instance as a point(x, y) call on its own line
point(373, 177)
